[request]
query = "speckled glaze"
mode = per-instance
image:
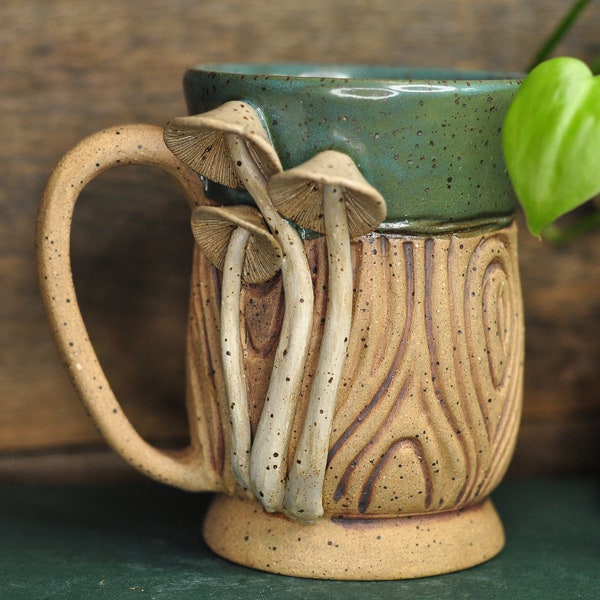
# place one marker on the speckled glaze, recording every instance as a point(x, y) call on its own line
point(427, 139)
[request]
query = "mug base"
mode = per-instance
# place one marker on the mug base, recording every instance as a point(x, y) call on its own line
point(353, 548)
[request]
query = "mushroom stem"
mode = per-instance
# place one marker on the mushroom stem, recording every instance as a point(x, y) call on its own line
point(268, 458)
point(303, 498)
point(232, 357)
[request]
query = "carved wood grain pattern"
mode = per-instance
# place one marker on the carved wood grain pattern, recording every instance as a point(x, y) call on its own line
point(205, 386)
point(437, 420)
point(262, 317)
point(429, 402)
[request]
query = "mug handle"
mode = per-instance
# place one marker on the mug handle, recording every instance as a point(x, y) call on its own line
point(117, 146)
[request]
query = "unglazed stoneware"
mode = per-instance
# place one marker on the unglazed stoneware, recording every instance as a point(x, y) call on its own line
point(355, 341)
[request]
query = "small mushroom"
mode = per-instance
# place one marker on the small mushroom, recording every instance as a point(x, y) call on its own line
point(204, 142)
point(236, 240)
point(214, 227)
point(230, 146)
point(327, 194)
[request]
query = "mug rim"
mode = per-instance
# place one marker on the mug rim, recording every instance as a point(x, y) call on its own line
point(383, 74)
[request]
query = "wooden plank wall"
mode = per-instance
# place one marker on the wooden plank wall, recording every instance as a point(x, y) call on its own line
point(71, 67)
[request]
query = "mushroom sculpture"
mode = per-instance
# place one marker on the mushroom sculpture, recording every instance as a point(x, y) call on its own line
point(236, 240)
point(327, 194)
point(229, 145)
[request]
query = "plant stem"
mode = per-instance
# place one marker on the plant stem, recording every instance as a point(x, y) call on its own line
point(557, 235)
point(559, 33)
point(595, 65)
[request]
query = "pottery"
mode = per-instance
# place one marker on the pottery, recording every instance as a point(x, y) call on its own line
point(355, 342)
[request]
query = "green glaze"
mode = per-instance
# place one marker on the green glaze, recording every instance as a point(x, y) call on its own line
point(428, 139)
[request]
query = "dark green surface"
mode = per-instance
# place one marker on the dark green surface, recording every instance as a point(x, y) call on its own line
point(143, 541)
point(428, 139)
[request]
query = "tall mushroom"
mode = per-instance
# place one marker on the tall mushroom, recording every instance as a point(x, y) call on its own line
point(236, 240)
point(327, 194)
point(230, 146)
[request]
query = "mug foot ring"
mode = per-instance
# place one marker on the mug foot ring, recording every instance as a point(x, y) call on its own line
point(353, 548)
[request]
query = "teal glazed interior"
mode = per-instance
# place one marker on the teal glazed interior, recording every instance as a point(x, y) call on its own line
point(428, 139)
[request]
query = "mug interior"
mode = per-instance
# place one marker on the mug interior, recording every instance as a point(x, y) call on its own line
point(382, 73)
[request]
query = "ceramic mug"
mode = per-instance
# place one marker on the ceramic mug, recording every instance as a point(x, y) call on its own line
point(355, 342)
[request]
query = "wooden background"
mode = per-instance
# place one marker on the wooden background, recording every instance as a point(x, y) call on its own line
point(71, 67)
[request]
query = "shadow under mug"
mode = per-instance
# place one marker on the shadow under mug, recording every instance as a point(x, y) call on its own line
point(427, 400)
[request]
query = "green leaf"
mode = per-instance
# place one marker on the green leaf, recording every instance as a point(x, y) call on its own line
point(551, 139)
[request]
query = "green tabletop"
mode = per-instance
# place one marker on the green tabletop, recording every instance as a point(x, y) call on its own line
point(143, 541)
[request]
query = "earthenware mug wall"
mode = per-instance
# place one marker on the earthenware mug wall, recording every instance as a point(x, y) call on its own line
point(355, 341)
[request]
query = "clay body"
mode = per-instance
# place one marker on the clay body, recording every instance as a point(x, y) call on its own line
point(354, 375)
point(428, 408)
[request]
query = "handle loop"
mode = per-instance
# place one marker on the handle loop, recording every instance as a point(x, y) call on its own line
point(117, 146)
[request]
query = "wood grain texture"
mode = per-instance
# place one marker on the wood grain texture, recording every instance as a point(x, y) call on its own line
point(71, 67)
point(430, 397)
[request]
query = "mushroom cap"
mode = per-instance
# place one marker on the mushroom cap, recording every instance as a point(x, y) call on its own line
point(200, 142)
point(298, 193)
point(213, 227)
